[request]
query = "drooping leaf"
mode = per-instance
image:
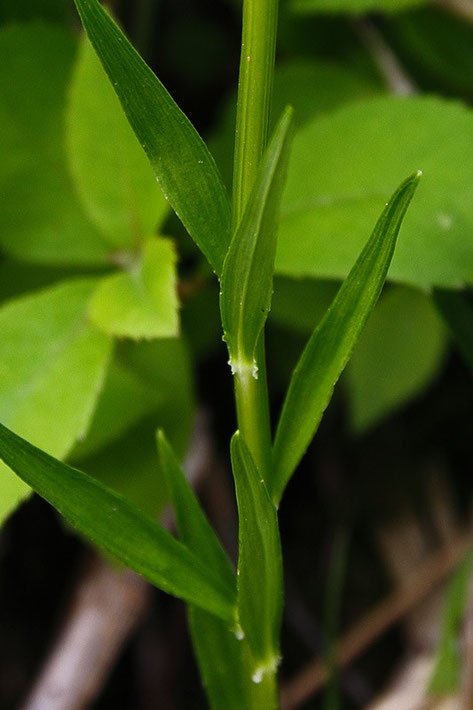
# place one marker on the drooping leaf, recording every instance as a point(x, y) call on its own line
point(120, 528)
point(193, 527)
point(352, 6)
point(52, 366)
point(181, 162)
point(457, 313)
point(141, 302)
point(332, 342)
point(446, 677)
point(247, 277)
point(41, 217)
point(260, 585)
point(339, 173)
point(111, 172)
point(396, 358)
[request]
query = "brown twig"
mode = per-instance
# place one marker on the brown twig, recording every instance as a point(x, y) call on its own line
point(107, 606)
point(463, 8)
point(388, 64)
point(374, 623)
point(467, 673)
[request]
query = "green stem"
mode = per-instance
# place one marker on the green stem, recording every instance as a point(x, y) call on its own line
point(253, 109)
point(258, 49)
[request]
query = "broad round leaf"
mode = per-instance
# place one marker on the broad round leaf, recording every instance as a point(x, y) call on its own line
point(341, 171)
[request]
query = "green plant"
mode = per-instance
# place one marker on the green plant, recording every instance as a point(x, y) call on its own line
point(107, 359)
point(236, 617)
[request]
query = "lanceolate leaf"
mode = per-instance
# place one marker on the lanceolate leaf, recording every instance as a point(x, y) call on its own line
point(194, 528)
point(182, 164)
point(247, 277)
point(331, 344)
point(119, 527)
point(219, 652)
point(260, 562)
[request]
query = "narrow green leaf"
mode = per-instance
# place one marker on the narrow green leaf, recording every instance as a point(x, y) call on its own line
point(332, 342)
point(194, 529)
point(247, 277)
point(260, 585)
point(224, 662)
point(113, 177)
point(182, 164)
point(142, 301)
point(117, 526)
point(457, 313)
point(446, 677)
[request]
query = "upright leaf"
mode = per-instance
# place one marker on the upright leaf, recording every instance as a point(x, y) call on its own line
point(194, 528)
point(52, 367)
point(112, 175)
point(332, 342)
point(260, 585)
point(119, 527)
point(247, 277)
point(181, 162)
point(217, 648)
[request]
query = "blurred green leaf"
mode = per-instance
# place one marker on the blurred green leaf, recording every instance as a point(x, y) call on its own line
point(299, 304)
point(332, 343)
point(52, 366)
point(113, 176)
point(164, 367)
point(437, 47)
point(456, 310)
point(41, 217)
point(124, 401)
point(142, 301)
point(396, 358)
point(28, 10)
point(446, 677)
point(120, 528)
point(247, 277)
point(182, 164)
point(339, 174)
point(193, 527)
point(310, 87)
point(260, 583)
point(353, 6)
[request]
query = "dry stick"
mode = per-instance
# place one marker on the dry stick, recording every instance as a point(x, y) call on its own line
point(378, 620)
point(107, 605)
point(386, 61)
point(467, 673)
point(463, 8)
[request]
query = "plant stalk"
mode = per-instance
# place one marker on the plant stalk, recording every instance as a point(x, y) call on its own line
point(258, 49)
